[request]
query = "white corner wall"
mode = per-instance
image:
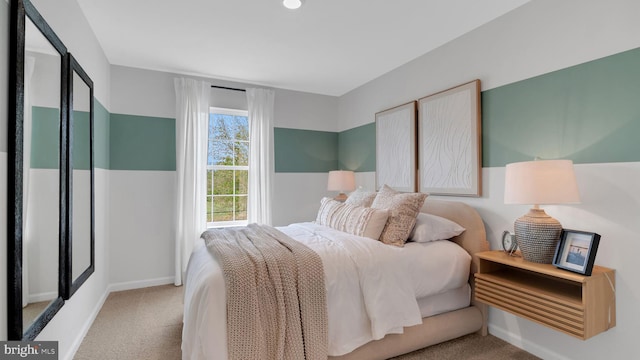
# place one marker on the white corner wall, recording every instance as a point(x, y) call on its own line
point(539, 37)
point(68, 21)
point(536, 38)
point(73, 320)
point(142, 202)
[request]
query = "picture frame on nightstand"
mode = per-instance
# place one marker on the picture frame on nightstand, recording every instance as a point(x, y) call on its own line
point(576, 251)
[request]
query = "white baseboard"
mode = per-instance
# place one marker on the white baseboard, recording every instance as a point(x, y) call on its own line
point(87, 325)
point(524, 344)
point(130, 285)
point(111, 288)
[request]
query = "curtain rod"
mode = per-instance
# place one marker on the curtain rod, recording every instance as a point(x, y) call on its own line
point(227, 88)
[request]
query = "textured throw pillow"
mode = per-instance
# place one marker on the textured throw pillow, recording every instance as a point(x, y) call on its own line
point(361, 197)
point(356, 220)
point(432, 227)
point(403, 207)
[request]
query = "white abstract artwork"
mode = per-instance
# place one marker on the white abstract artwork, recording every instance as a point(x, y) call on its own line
point(449, 141)
point(396, 148)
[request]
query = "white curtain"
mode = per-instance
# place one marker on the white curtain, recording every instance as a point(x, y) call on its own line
point(260, 103)
point(27, 122)
point(192, 117)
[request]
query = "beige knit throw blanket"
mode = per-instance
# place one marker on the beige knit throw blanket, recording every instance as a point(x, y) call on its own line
point(276, 305)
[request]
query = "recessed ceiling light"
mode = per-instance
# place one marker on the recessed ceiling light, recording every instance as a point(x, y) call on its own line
point(292, 4)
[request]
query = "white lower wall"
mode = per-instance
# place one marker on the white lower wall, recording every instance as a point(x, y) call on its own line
point(610, 206)
point(141, 219)
point(141, 215)
point(74, 319)
point(366, 180)
point(40, 242)
point(296, 196)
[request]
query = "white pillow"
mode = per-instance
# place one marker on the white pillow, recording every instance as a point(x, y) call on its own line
point(431, 228)
point(361, 197)
point(355, 220)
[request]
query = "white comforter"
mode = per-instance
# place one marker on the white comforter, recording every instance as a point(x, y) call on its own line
point(369, 292)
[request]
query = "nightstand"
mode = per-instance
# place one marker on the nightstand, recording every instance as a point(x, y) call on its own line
point(578, 305)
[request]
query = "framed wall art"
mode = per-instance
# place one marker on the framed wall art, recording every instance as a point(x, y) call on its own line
point(396, 148)
point(576, 251)
point(449, 142)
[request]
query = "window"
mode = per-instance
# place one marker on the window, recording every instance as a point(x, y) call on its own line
point(227, 167)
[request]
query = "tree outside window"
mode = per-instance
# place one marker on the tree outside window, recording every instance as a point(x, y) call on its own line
point(227, 167)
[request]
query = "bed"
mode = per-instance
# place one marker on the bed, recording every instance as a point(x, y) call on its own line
point(446, 313)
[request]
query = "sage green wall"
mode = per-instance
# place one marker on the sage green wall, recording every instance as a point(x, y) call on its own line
point(45, 145)
point(589, 113)
point(131, 142)
point(357, 148)
point(142, 143)
point(101, 136)
point(80, 153)
point(305, 151)
point(45, 148)
point(322, 151)
point(45, 139)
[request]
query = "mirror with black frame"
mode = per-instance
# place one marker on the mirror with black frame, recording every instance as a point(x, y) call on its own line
point(36, 172)
point(81, 235)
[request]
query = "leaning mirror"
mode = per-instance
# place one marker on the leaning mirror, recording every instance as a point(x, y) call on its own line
point(79, 264)
point(36, 171)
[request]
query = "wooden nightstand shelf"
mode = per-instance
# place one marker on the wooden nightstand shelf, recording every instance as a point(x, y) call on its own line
point(581, 306)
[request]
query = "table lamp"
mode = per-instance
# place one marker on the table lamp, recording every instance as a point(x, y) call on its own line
point(341, 181)
point(538, 183)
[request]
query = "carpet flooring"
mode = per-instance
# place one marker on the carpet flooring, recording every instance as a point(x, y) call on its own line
point(146, 324)
point(32, 311)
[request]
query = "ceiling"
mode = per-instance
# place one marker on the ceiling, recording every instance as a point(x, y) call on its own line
point(326, 47)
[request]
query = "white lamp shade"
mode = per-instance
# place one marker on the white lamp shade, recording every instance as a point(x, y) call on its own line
point(341, 180)
point(541, 182)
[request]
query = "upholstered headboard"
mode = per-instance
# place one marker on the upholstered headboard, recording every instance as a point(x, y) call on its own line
point(474, 238)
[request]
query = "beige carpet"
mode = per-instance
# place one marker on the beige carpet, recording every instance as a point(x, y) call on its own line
point(147, 324)
point(470, 347)
point(32, 311)
point(136, 324)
